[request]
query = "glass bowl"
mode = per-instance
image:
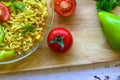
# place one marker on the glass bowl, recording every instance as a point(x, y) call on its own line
point(49, 21)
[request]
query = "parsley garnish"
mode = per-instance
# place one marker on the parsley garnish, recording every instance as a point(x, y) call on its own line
point(20, 6)
point(107, 5)
point(15, 6)
point(28, 28)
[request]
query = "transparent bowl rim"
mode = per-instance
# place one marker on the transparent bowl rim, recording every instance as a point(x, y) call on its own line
point(39, 44)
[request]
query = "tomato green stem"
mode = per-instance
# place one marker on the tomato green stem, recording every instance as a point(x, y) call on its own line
point(58, 40)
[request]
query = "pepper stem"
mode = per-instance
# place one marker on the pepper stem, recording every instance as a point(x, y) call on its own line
point(58, 40)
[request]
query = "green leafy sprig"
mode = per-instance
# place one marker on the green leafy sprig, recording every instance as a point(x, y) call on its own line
point(107, 5)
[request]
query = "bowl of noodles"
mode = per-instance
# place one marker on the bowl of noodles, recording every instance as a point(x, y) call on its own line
point(23, 27)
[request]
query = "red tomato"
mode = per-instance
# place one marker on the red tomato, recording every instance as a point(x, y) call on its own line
point(65, 8)
point(59, 39)
point(4, 13)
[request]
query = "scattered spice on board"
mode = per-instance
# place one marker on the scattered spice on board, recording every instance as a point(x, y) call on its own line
point(96, 77)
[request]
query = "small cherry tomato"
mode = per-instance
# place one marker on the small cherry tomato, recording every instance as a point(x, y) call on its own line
point(4, 13)
point(60, 39)
point(65, 8)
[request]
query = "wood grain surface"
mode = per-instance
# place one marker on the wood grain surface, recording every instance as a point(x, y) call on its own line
point(89, 45)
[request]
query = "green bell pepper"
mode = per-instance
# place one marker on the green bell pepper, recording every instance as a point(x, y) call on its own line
point(7, 54)
point(2, 35)
point(110, 25)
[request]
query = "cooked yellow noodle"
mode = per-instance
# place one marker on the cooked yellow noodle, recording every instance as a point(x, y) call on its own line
point(35, 14)
point(26, 47)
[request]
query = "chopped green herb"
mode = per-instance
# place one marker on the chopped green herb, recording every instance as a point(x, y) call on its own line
point(107, 5)
point(15, 6)
point(28, 28)
point(20, 6)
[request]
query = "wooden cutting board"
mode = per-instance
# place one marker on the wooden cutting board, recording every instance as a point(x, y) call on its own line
point(89, 45)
